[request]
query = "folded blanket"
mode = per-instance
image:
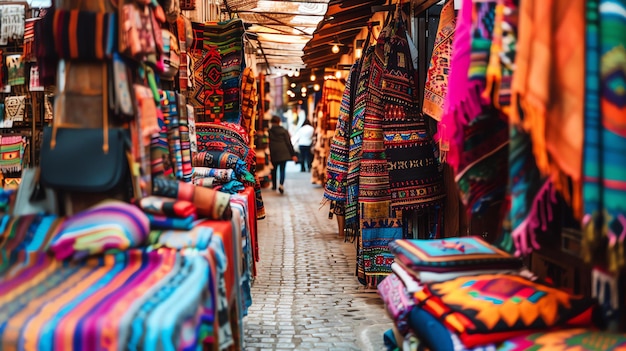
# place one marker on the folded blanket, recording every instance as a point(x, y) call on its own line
point(164, 206)
point(209, 203)
point(164, 222)
point(198, 237)
point(222, 175)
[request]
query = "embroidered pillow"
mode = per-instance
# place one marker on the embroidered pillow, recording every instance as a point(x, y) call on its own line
point(109, 226)
point(451, 254)
point(493, 308)
point(569, 339)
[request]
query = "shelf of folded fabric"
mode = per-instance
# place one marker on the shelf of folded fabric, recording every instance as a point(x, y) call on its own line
point(58, 271)
point(464, 294)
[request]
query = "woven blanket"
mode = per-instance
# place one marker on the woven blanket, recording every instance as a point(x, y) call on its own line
point(136, 299)
point(579, 338)
point(337, 168)
point(199, 237)
point(379, 223)
point(355, 148)
point(436, 87)
point(221, 175)
point(11, 152)
point(249, 101)
point(209, 203)
point(109, 225)
point(185, 138)
point(604, 189)
point(224, 159)
point(169, 106)
point(213, 91)
point(160, 222)
point(167, 207)
point(160, 151)
point(415, 177)
point(228, 37)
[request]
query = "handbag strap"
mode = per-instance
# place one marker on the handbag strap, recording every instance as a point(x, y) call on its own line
point(105, 109)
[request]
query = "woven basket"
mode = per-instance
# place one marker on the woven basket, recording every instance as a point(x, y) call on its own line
point(188, 5)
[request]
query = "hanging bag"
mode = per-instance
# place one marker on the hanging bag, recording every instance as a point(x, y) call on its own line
point(82, 159)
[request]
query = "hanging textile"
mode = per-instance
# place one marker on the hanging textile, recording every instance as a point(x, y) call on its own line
point(436, 87)
point(415, 175)
point(213, 92)
point(227, 36)
point(11, 152)
point(249, 101)
point(380, 223)
point(604, 192)
point(199, 59)
point(548, 87)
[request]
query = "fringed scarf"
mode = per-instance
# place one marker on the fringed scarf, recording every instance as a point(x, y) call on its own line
point(604, 186)
point(436, 87)
point(547, 86)
point(463, 99)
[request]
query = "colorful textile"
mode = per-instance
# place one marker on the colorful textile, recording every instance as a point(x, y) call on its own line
point(209, 203)
point(221, 175)
point(22, 235)
point(213, 93)
point(604, 190)
point(227, 36)
point(338, 159)
point(167, 207)
point(451, 254)
point(436, 87)
point(415, 178)
point(249, 101)
point(185, 138)
point(136, 299)
point(379, 222)
point(164, 222)
point(218, 159)
point(488, 308)
point(578, 339)
point(161, 162)
point(398, 302)
point(108, 226)
point(463, 100)
point(199, 59)
point(198, 237)
point(169, 107)
point(549, 69)
point(11, 152)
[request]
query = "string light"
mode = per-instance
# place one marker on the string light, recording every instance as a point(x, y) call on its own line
point(335, 49)
point(313, 77)
point(316, 87)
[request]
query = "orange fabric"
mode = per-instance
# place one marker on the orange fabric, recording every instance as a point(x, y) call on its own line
point(548, 85)
point(224, 229)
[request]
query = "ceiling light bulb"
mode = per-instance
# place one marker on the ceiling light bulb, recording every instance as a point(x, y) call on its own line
point(290, 74)
point(316, 87)
point(303, 90)
point(293, 85)
point(338, 74)
point(335, 49)
point(303, 94)
point(313, 77)
point(296, 74)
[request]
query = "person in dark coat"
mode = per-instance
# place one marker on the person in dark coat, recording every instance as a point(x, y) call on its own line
point(281, 151)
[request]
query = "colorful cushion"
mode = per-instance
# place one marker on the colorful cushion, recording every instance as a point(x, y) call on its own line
point(109, 226)
point(569, 339)
point(451, 254)
point(493, 308)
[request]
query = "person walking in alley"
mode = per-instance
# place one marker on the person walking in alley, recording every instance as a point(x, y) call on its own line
point(281, 151)
point(303, 140)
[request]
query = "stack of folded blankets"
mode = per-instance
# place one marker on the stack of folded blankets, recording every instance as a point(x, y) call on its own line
point(465, 294)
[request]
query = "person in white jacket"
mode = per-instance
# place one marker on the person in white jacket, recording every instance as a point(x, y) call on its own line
point(303, 139)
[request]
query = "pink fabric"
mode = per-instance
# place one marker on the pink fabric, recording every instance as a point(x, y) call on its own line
point(398, 302)
point(463, 95)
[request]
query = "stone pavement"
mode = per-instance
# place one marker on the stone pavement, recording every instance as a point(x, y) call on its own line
point(306, 296)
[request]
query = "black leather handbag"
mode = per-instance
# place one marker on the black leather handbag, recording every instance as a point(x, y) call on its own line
point(85, 159)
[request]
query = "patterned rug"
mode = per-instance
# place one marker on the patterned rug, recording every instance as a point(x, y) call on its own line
point(436, 87)
point(213, 92)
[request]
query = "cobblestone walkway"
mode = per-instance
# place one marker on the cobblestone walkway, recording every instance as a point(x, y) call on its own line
point(306, 296)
